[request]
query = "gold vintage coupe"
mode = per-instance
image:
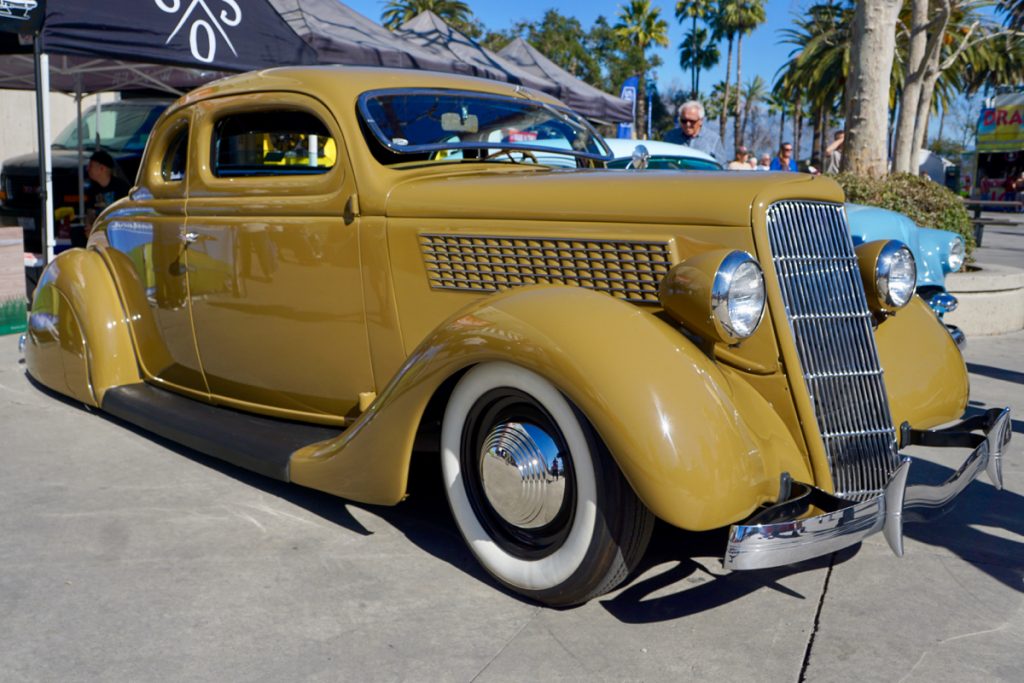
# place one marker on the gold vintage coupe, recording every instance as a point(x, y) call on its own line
point(321, 271)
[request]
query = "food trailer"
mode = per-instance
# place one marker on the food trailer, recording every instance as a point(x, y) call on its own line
point(1000, 149)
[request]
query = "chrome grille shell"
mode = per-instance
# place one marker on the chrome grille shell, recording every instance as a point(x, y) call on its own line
point(826, 307)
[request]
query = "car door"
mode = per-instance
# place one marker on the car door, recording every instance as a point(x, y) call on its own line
point(150, 261)
point(273, 258)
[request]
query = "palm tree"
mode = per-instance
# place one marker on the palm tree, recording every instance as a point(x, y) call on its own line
point(779, 103)
point(640, 26)
point(1012, 9)
point(698, 52)
point(818, 64)
point(749, 15)
point(723, 23)
point(694, 10)
point(455, 12)
point(716, 101)
point(754, 92)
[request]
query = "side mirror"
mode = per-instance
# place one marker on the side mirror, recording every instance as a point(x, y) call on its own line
point(640, 158)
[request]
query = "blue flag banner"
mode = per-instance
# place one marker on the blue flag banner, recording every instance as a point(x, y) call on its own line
point(628, 93)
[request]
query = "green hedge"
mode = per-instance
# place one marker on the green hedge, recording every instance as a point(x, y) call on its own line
point(925, 202)
point(12, 316)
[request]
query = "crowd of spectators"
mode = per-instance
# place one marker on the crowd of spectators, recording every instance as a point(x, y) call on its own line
point(692, 133)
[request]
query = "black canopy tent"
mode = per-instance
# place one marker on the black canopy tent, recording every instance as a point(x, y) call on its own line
point(122, 44)
point(593, 103)
point(340, 35)
point(430, 32)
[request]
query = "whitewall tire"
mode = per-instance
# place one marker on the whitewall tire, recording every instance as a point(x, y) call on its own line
point(540, 502)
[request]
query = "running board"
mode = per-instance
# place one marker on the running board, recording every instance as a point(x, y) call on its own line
point(261, 444)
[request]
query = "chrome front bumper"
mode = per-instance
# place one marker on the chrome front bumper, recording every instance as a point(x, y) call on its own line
point(783, 534)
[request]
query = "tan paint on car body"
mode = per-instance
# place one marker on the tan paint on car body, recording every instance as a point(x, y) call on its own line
point(697, 464)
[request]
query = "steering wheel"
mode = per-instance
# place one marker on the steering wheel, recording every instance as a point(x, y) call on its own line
point(525, 155)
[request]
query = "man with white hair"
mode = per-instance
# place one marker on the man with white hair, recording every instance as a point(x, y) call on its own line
point(692, 133)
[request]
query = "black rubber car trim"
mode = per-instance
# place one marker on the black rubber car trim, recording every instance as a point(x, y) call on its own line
point(261, 444)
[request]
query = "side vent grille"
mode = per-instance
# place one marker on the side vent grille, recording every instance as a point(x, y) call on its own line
point(629, 270)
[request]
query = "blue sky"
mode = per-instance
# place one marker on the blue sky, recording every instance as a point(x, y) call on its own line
point(762, 52)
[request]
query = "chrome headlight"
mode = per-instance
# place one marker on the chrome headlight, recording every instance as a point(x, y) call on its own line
point(717, 294)
point(737, 297)
point(955, 259)
point(896, 274)
point(889, 273)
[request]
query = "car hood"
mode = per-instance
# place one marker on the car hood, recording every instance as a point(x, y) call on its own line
point(869, 223)
point(587, 195)
point(28, 164)
point(63, 160)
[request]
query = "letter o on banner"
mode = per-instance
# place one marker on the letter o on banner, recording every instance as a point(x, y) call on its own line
point(211, 41)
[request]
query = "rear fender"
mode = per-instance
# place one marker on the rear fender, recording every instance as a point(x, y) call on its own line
point(78, 341)
point(698, 444)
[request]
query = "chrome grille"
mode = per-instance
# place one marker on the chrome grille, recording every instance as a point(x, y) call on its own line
point(827, 310)
point(629, 270)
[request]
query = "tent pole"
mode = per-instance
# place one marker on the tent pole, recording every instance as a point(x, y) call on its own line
point(45, 157)
point(81, 149)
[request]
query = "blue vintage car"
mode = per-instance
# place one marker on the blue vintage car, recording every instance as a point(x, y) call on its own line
point(937, 252)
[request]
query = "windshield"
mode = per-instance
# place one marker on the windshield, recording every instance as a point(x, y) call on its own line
point(455, 125)
point(122, 126)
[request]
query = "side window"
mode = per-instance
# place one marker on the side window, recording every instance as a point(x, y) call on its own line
point(176, 159)
point(272, 143)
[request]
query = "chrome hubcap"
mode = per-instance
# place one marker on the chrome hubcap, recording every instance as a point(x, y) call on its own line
point(523, 474)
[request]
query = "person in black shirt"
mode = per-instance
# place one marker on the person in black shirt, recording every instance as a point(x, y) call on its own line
point(105, 187)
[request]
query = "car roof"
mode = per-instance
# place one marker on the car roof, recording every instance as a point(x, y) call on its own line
point(342, 82)
point(622, 148)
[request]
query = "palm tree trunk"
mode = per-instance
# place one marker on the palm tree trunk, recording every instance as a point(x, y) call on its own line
point(903, 147)
point(924, 108)
point(737, 126)
point(725, 101)
point(641, 106)
point(694, 69)
point(822, 151)
point(942, 121)
point(872, 51)
point(798, 124)
point(782, 124)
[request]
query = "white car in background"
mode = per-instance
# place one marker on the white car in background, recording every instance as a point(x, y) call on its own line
point(17, 9)
point(663, 156)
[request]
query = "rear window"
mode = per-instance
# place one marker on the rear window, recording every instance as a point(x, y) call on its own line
point(270, 143)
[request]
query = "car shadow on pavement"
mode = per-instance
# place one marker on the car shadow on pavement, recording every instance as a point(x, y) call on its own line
point(980, 530)
point(996, 373)
point(690, 585)
point(975, 408)
point(424, 517)
point(695, 583)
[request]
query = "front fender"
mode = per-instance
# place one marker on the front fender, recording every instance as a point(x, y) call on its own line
point(935, 247)
point(78, 342)
point(698, 444)
point(925, 375)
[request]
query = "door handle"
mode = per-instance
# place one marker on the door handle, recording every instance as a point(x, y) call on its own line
point(191, 237)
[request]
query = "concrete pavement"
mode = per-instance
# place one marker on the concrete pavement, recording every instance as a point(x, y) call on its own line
point(124, 557)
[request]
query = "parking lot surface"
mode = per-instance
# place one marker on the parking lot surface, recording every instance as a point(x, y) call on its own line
point(124, 557)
